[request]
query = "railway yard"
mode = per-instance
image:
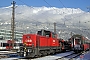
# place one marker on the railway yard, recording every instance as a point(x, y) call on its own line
point(68, 55)
point(47, 47)
point(59, 35)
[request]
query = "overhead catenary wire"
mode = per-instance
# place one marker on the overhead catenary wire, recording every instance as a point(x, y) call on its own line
point(31, 7)
point(50, 6)
point(41, 13)
point(62, 3)
point(72, 16)
point(55, 9)
point(47, 3)
point(66, 8)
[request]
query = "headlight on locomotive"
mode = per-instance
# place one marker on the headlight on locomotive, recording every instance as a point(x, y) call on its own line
point(29, 50)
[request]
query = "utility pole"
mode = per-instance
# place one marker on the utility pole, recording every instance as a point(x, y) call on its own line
point(13, 22)
point(71, 34)
point(54, 27)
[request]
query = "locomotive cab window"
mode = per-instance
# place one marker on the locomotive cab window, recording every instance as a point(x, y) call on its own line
point(44, 33)
point(78, 41)
point(47, 34)
point(53, 35)
point(39, 33)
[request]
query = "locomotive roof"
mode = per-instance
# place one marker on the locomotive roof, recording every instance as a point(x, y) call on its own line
point(48, 31)
point(77, 35)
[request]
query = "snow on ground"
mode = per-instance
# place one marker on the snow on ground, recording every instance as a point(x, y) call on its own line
point(53, 57)
point(9, 59)
point(7, 52)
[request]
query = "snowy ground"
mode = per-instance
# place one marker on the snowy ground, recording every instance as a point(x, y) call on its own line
point(7, 52)
point(52, 57)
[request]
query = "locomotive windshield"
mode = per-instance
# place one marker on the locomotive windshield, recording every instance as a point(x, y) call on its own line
point(44, 33)
point(77, 41)
point(53, 35)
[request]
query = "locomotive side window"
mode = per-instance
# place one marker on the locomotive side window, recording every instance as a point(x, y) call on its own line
point(53, 35)
point(48, 34)
point(86, 41)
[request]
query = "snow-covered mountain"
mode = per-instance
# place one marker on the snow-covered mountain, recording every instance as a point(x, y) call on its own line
point(30, 19)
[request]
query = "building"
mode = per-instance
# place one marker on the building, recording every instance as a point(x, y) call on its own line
point(6, 35)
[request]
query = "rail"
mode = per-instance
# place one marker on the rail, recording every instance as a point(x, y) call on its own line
point(71, 56)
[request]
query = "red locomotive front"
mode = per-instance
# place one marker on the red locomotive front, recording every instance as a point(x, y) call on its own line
point(42, 43)
point(29, 40)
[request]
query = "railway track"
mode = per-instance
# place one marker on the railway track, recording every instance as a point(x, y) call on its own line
point(71, 56)
point(6, 54)
point(62, 56)
point(3, 56)
point(51, 57)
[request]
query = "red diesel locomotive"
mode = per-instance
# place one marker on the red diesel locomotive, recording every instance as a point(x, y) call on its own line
point(79, 43)
point(42, 43)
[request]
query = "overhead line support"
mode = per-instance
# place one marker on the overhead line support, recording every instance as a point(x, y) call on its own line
point(13, 22)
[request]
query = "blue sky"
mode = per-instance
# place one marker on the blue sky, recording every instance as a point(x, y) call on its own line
point(82, 4)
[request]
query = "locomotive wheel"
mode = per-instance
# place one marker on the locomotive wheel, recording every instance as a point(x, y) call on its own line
point(48, 52)
point(45, 53)
point(40, 54)
point(53, 52)
point(31, 55)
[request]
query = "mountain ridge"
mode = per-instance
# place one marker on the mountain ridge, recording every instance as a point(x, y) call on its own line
point(34, 18)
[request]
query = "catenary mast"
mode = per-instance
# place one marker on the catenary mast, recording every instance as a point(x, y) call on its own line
point(13, 22)
point(54, 27)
